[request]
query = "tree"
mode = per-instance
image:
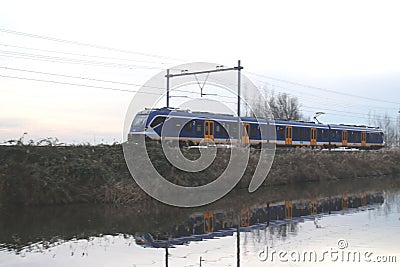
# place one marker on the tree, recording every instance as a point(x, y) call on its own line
point(389, 128)
point(279, 107)
point(285, 107)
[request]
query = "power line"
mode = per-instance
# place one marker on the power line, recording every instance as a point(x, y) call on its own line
point(97, 80)
point(161, 88)
point(325, 90)
point(83, 55)
point(313, 97)
point(135, 91)
point(319, 98)
point(78, 77)
point(53, 59)
point(90, 79)
point(158, 56)
point(53, 39)
point(77, 84)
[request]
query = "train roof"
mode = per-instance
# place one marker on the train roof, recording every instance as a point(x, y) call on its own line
point(229, 117)
point(326, 126)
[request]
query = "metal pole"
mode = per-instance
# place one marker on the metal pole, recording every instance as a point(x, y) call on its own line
point(238, 243)
point(238, 104)
point(167, 88)
point(238, 107)
point(166, 255)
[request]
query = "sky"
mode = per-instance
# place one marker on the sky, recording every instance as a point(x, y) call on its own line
point(338, 57)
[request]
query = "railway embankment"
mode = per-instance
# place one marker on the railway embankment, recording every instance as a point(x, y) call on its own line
point(52, 175)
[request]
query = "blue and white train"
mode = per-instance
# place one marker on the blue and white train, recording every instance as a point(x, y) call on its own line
point(192, 128)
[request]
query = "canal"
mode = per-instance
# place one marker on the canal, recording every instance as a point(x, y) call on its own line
point(346, 222)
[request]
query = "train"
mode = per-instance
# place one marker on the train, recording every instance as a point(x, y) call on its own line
point(195, 127)
point(211, 224)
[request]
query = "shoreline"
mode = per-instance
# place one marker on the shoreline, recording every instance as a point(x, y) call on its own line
point(54, 175)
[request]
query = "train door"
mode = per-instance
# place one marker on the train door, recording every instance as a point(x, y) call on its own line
point(288, 211)
point(344, 138)
point(208, 131)
point(363, 138)
point(314, 206)
point(209, 222)
point(313, 141)
point(245, 133)
point(288, 135)
point(345, 202)
point(364, 199)
point(245, 217)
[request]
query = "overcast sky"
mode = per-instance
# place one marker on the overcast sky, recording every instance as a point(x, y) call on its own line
point(347, 47)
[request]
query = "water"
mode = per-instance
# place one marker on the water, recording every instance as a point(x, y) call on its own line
point(279, 226)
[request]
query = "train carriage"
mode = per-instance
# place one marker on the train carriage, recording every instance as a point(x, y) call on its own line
point(195, 127)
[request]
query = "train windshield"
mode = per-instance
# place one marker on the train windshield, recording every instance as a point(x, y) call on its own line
point(139, 122)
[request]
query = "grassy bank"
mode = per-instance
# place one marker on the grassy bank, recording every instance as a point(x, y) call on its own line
point(36, 175)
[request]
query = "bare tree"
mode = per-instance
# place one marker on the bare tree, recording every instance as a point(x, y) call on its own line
point(390, 129)
point(280, 107)
point(285, 107)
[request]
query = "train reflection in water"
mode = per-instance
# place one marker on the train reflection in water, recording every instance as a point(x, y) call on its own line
point(214, 224)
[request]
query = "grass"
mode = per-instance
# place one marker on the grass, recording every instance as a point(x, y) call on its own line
point(51, 175)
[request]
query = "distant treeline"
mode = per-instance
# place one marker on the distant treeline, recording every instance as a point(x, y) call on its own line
point(46, 175)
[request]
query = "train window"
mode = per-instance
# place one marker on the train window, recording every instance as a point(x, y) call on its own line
point(358, 137)
point(325, 134)
point(178, 125)
point(226, 129)
point(319, 134)
point(254, 129)
point(217, 128)
point(280, 131)
point(220, 130)
point(199, 127)
point(302, 133)
point(295, 133)
point(188, 126)
point(263, 131)
point(307, 133)
point(339, 135)
point(157, 121)
point(334, 134)
point(352, 137)
point(233, 130)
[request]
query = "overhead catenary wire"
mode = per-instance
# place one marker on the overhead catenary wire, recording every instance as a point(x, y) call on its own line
point(55, 59)
point(321, 100)
point(158, 94)
point(76, 84)
point(83, 55)
point(114, 64)
point(326, 90)
point(93, 79)
point(53, 39)
point(159, 56)
point(161, 88)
